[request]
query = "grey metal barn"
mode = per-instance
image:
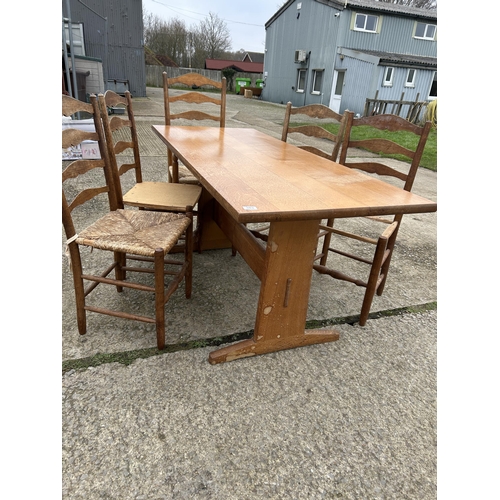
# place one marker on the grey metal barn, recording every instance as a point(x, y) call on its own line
point(112, 34)
point(339, 53)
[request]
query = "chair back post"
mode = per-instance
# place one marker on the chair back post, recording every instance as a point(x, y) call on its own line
point(340, 137)
point(419, 151)
point(223, 102)
point(286, 121)
point(347, 134)
point(165, 98)
point(111, 156)
point(135, 137)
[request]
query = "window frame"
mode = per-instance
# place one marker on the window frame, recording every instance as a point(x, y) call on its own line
point(388, 82)
point(315, 73)
point(411, 83)
point(299, 89)
point(377, 18)
point(425, 37)
point(434, 79)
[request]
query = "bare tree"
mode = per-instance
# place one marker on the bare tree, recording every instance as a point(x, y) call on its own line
point(421, 4)
point(169, 38)
point(211, 39)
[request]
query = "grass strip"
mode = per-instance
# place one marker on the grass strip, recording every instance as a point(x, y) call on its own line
point(128, 357)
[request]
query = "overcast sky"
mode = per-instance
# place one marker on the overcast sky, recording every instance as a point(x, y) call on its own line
point(244, 18)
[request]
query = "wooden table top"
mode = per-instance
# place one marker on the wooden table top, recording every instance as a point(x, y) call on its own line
point(258, 178)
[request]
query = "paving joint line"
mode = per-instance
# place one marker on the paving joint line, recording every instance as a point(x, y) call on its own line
point(128, 357)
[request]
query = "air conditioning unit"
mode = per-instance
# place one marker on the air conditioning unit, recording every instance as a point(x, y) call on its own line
point(300, 56)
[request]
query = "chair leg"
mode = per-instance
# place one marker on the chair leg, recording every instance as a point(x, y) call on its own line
point(385, 266)
point(159, 263)
point(76, 265)
point(371, 286)
point(188, 256)
point(120, 273)
point(326, 243)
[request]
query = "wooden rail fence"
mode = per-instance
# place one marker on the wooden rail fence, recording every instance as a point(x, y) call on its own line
point(378, 106)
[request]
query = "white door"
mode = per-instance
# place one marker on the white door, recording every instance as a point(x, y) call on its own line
point(338, 85)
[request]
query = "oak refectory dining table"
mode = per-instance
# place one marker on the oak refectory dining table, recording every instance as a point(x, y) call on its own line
point(251, 177)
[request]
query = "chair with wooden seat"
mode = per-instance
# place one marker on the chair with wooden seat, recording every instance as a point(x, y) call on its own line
point(381, 239)
point(127, 235)
point(202, 107)
point(121, 136)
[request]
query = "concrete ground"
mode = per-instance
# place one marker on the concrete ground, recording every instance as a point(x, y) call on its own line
point(353, 419)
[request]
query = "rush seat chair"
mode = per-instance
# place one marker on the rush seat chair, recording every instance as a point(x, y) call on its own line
point(141, 237)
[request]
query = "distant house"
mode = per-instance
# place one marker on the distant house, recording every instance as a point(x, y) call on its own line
point(257, 57)
point(108, 43)
point(241, 66)
point(340, 52)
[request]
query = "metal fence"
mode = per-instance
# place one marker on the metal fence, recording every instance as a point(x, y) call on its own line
point(154, 74)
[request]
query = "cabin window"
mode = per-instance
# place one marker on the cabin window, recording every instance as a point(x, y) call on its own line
point(425, 31)
point(410, 78)
point(389, 72)
point(317, 81)
point(366, 22)
point(301, 80)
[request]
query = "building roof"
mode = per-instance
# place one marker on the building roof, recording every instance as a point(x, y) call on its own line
point(242, 66)
point(395, 9)
point(403, 59)
point(388, 7)
point(257, 57)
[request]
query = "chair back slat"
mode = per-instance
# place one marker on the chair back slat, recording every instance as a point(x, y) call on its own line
point(190, 79)
point(74, 137)
point(194, 115)
point(195, 98)
point(80, 167)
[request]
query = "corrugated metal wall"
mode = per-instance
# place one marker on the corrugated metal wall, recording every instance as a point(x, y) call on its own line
point(315, 31)
point(125, 56)
point(358, 84)
point(319, 32)
point(396, 36)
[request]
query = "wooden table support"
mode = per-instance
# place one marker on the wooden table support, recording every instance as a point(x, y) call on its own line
point(285, 275)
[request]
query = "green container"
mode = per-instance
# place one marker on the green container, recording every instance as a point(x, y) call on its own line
point(241, 82)
point(259, 83)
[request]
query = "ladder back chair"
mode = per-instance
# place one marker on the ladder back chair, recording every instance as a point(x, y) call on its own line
point(319, 113)
point(201, 108)
point(374, 246)
point(122, 138)
point(328, 141)
point(144, 237)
